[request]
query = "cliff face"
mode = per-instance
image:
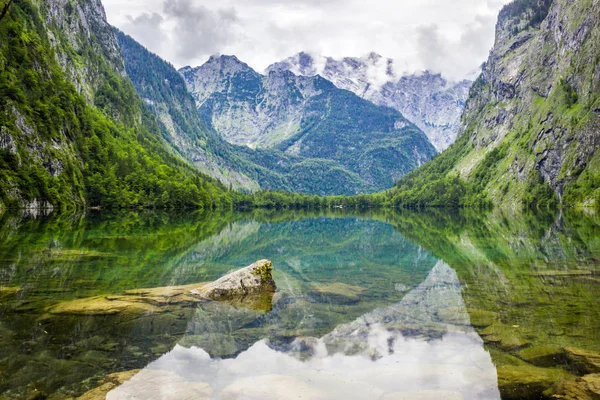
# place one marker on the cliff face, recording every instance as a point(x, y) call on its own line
point(79, 30)
point(430, 101)
point(537, 103)
point(531, 128)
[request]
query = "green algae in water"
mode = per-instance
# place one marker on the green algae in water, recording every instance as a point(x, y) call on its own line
point(529, 284)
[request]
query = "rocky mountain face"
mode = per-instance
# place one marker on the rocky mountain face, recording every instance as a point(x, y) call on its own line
point(164, 91)
point(430, 101)
point(530, 131)
point(318, 131)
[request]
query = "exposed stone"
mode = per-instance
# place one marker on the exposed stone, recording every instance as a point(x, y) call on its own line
point(250, 287)
point(6, 141)
point(254, 279)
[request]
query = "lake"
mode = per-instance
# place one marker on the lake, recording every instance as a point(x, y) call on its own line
point(381, 305)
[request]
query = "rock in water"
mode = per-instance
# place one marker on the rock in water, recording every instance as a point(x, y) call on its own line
point(254, 279)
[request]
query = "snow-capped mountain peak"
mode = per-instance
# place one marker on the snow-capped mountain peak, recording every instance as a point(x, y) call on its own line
point(432, 102)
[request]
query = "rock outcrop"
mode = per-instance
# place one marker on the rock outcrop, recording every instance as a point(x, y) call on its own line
point(250, 287)
point(252, 280)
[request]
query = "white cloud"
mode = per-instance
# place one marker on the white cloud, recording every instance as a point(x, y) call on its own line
point(449, 37)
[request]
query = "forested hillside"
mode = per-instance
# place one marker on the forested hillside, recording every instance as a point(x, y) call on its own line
point(73, 131)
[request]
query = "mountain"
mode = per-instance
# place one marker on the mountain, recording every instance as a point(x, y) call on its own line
point(311, 123)
point(73, 132)
point(430, 101)
point(529, 134)
point(163, 90)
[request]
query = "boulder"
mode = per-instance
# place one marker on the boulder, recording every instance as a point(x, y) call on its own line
point(253, 279)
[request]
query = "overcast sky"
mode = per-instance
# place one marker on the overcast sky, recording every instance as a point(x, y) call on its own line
point(451, 37)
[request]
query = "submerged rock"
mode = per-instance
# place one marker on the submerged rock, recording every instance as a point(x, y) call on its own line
point(542, 356)
point(250, 287)
point(504, 336)
point(587, 362)
point(253, 279)
point(529, 382)
point(585, 388)
point(338, 293)
point(134, 302)
point(107, 384)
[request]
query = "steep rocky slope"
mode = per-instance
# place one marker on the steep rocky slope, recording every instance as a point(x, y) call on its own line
point(309, 120)
point(72, 130)
point(531, 129)
point(430, 101)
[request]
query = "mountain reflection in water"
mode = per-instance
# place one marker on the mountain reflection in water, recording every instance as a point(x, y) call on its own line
point(368, 306)
point(420, 348)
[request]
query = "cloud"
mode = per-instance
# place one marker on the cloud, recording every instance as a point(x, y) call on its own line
point(448, 37)
point(146, 28)
point(198, 29)
point(431, 47)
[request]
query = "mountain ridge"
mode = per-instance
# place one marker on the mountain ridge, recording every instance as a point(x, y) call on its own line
point(430, 101)
point(309, 118)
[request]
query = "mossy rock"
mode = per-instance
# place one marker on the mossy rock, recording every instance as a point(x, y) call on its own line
point(542, 356)
point(505, 336)
point(102, 305)
point(584, 361)
point(530, 382)
point(8, 291)
point(584, 388)
point(482, 318)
